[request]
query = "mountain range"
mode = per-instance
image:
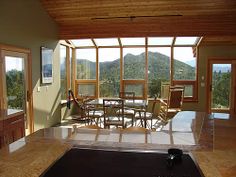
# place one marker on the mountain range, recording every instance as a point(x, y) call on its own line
point(134, 68)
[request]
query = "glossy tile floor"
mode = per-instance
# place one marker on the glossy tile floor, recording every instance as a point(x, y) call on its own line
point(222, 159)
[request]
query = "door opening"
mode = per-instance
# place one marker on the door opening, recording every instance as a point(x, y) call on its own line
point(221, 86)
point(16, 90)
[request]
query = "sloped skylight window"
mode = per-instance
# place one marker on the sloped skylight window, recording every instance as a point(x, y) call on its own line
point(132, 41)
point(107, 42)
point(160, 40)
point(82, 42)
point(186, 40)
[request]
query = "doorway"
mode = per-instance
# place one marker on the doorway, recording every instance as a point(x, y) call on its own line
point(221, 97)
point(16, 91)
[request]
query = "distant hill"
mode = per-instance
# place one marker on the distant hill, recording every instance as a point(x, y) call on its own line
point(158, 67)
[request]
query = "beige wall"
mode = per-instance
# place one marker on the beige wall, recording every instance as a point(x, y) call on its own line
point(65, 112)
point(24, 23)
point(205, 53)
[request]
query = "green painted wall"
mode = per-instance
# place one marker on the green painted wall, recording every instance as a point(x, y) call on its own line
point(206, 53)
point(25, 23)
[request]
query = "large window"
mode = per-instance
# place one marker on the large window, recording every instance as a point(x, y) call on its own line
point(66, 66)
point(158, 69)
point(86, 63)
point(134, 63)
point(63, 72)
point(106, 66)
point(184, 67)
point(86, 71)
point(184, 63)
point(15, 84)
point(134, 70)
point(109, 70)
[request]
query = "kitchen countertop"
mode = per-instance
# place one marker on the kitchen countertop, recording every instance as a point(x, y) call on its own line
point(31, 155)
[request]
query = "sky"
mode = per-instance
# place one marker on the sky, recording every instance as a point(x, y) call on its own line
point(109, 54)
point(13, 63)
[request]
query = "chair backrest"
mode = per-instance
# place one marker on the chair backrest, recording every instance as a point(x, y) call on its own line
point(127, 95)
point(81, 105)
point(175, 98)
point(173, 104)
point(113, 112)
point(165, 86)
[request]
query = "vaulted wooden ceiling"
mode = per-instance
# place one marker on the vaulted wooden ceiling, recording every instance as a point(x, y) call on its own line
point(132, 18)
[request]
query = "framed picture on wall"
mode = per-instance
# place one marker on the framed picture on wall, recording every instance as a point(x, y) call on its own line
point(46, 65)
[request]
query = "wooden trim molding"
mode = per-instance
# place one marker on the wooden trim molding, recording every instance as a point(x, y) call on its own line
point(27, 52)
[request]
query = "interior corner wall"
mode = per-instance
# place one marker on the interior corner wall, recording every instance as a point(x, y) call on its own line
point(26, 24)
point(65, 112)
point(206, 53)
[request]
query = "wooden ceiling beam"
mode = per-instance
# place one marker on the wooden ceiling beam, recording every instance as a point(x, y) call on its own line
point(133, 18)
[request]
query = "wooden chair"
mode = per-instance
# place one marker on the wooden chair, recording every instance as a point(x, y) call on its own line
point(94, 114)
point(114, 113)
point(173, 104)
point(83, 108)
point(128, 96)
point(144, 116)
point(165, 86)
point(87, 112)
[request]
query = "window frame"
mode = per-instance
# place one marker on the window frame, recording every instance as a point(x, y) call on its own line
point(69, 66)
point(86, 81)
point(144, 82)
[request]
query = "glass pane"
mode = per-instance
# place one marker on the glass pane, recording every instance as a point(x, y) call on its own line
point(63, 72)
point(107, 42)
point(188, 91)
point(134, 63)
point(15, 84)
point(86, 63)
point(184, 63)
point(71, 69)
point(109, 66)
point(132, 41)
point(186, 40)
point(136, 88)
point(221, 86)
point(86, 90)
point(158, 69)
point(160, 40)
point(82, 42)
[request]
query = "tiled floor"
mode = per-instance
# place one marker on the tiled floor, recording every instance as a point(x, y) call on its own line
point(222, 159)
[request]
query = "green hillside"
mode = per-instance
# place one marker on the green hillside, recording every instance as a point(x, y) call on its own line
point(134, 68)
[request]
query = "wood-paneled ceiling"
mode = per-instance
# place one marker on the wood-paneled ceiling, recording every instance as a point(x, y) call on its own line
point(141, 18)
